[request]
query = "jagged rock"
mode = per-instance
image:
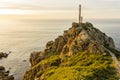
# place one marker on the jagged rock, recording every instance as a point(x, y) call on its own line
point(50, 44)
point(110, 42)
point(4, 75)
point(2, 54)
point(94, 47)
point(36, 57)
point(59, 43)
point(65, 50)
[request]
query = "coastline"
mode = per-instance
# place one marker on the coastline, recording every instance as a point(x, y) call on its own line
point(36, 47)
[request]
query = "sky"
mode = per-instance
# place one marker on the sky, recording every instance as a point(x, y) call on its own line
point(60, 9)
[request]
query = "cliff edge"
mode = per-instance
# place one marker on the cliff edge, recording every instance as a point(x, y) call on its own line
point(77, 54)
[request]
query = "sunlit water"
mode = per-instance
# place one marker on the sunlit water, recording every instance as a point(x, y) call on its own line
point(24, 36)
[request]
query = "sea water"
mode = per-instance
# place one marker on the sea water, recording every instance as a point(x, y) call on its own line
point(23, 36)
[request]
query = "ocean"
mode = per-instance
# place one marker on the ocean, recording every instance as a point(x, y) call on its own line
point(23, 36)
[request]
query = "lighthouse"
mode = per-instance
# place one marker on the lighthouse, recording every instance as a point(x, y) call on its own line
point(80, 17)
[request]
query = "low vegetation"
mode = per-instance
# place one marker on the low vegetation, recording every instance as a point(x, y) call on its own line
point(82, 66)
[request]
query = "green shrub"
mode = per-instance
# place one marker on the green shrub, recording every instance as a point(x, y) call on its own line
point(81, 66)
point(51, 59)
point(39, 73)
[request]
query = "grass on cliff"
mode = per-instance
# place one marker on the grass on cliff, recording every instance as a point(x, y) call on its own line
point(51, 59)
point(83, 66)
point(36, 71)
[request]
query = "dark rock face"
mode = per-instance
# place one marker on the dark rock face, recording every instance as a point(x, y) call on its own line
point(2, 54)
point(4, 75)
point(79, 38)
point(35, 57)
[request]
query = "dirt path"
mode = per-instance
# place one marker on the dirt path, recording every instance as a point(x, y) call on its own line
point(115, 60)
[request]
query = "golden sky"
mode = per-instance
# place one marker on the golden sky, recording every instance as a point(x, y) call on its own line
point(59, 9)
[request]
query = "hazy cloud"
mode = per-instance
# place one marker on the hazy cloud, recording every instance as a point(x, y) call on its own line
point(60, 4)
point(90, 8)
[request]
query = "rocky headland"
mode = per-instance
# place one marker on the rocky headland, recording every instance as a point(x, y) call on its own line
point(79, 54)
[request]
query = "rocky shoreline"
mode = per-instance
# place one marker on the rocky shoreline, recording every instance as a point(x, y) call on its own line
point(4, 75)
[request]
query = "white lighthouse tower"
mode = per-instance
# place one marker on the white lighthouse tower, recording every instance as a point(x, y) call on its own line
point(80, 17)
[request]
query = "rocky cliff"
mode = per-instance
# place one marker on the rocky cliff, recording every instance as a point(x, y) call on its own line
point(58, 53)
